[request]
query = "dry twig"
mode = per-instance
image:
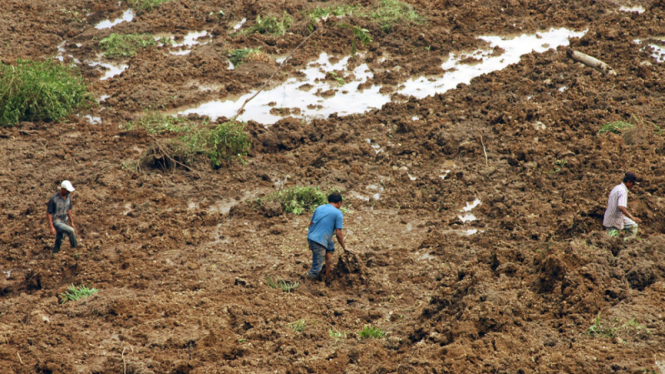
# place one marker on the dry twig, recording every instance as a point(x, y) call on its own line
point(19, 358)
point(124, 363)
point(484, 150)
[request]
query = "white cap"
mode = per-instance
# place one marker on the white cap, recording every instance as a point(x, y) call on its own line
point(67, 185)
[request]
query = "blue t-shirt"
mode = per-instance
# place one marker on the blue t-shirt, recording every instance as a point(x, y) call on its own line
point(326, 220)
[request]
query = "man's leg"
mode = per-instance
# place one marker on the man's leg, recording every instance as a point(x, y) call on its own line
point(630, 227)
point(318, 254)
point(58, 241)
point(328, 262)
point(63, 229)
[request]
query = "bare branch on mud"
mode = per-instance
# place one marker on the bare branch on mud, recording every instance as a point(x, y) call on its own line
point(164, 153)
point(276, 71)
point(484, 150)
point(19, 358)
point(590, 61)
point(124, 364)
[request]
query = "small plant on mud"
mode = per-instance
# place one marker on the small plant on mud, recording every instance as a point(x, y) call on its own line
point(279, 283)
point(40, 91)
point(298, 199)
point(615, 127)
point(392, 12)
point(222, 143)
point(558, 165)
point(371, 332)
point(239, 56)
point(335, 10)
point(146, 5)
point(298, 326)
point(157, 123)
point(340, 80)
point(271, 25)
point(74, 293)
point(126, 45)
point(336, 335)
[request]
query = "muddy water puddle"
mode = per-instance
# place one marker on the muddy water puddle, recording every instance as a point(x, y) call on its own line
point(328, 87)
point(127, 16)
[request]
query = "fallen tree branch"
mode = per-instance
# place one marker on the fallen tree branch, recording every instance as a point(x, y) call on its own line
point(277, 70)
point(590, 61)
point(124, 363)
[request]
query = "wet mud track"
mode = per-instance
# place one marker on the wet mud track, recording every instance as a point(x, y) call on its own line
point(532, 285)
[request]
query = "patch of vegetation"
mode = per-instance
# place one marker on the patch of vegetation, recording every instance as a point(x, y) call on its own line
point(74, 293)
point(157, 123)
point(127, 45)
point(340, 81)
point(336, 335)
point(558, 165)
point(146, 5)
point(286, 286)
point(392, 12)
point(371, 332)
point(334, 10)
point(298, 326)
point(238, 56)
point(615, 127)
point(271, 25)
point(40, 91)
point(607, 330)
point(299, 199)
point(221, 143)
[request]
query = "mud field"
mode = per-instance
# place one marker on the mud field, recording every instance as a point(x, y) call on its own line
point(181, 257)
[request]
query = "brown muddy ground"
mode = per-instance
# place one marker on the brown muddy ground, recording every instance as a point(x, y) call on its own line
point(181, 257)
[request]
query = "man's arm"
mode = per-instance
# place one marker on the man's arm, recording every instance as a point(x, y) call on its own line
point(71, 218)
point(340, 238)
point(49, 223)
point(625, 212)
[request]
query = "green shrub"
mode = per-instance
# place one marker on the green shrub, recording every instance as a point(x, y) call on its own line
point(146, 5)
point(126, 45)
point(371, 332)
point(40, 91)
point(157, 123)
point(616, 127)
point(74, 293)
point(271, 25)
point(298, 199)
point(238, 56)
point(392, 12)
point(224, 142)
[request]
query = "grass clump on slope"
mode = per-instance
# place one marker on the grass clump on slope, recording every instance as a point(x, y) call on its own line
point(126, 45)
point(40, 91)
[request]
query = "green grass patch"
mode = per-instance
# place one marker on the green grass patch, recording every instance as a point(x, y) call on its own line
point(286, 286)
point(335, 10)
point(146, 5)
point(391, 12)
point(371, 332)
point(336, 335)
point(224, 142)
point(74, 293)
point(271, 25)
point(157, 123)
point(615, 127)
point(238, 56)
point(127, 45)
point(298, 200)
point(298, 326)
point(40, 91)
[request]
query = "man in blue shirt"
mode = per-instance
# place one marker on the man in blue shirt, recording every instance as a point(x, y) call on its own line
point(326, 220)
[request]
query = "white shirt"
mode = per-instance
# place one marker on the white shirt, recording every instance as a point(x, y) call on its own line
point(613, 216)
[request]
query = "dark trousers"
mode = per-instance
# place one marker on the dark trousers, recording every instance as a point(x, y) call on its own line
point(61, 230)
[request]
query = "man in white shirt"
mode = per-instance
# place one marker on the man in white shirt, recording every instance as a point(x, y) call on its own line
point(617, 216)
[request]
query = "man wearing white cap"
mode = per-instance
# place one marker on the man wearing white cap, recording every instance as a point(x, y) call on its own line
point(59, 216)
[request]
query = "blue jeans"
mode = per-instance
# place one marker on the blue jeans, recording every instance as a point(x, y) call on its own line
point(61, 230)
point(318, 258)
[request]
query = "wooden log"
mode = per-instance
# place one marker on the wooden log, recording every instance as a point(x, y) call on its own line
point(591, 61)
